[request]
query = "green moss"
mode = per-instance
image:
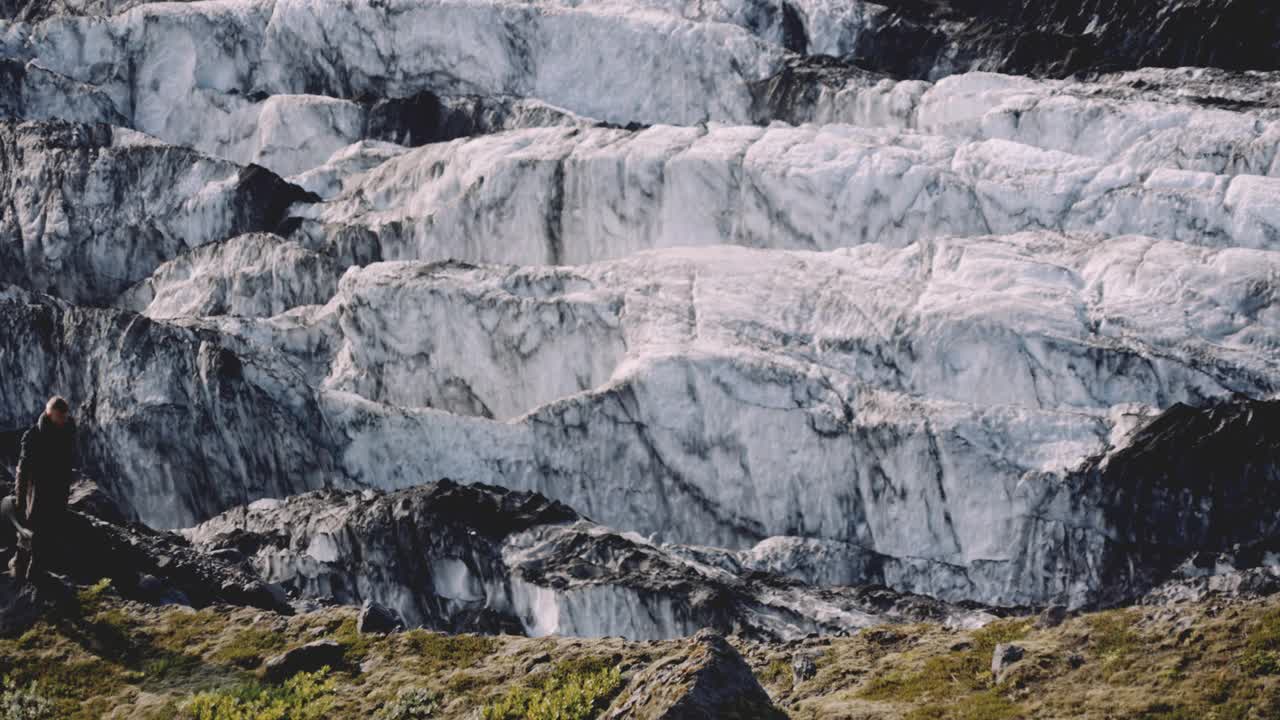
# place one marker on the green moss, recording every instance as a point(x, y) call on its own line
point(185, 631)
point(463, 683)
point(355, 646)
point(248, 647)
point(305, 696)
point(985, 639)
point(576, 696)
point(67, 682)
point(112, 635)
point(1261, 662)
point(168, 666)
point(434, 653)
point(585, 665)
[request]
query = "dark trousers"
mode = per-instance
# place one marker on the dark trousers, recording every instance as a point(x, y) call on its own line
point(40, 552)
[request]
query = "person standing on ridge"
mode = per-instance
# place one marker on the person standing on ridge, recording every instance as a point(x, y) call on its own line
point(46, 469)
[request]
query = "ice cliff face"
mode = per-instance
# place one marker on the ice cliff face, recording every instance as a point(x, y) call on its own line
point(795, 288)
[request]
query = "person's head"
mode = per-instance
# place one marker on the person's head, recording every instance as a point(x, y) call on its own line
point(58, 410)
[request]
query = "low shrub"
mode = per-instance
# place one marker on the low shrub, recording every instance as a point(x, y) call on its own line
point(572, 696)
point(411, 704)
point(305, 696)
point(24, 702)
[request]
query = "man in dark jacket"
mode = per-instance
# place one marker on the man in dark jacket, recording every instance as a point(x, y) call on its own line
point(46, 469)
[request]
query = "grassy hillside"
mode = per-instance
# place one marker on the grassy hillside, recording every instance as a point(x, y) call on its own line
point(111, 658)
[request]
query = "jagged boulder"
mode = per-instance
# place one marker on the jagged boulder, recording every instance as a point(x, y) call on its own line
point(377, 618)
point(307, 658)
point(712, 683)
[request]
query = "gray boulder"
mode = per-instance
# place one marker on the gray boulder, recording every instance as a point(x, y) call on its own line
point(803, 667)
point(1004, 657)
point(1052, 617)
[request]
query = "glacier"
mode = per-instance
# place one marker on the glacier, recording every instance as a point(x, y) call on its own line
point(750, 289)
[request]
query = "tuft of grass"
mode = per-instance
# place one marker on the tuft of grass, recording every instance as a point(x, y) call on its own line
point(986, 705)
point(1112, 637)
point(1111, 633)
point(91, 599)
point(305, 696)
point(572, 696)
point(1263, 653)
point(778, 673)
point(957, 685)
point(1168, 711)
point(941, 676)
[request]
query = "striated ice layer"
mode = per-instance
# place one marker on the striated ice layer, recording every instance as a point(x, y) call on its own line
point(254, 274)
point(288, 84)
point(172, 421)
point(561, 196)
point(1060, 321)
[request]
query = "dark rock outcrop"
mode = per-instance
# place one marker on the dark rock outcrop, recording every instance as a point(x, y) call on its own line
point(307, 658)
point(924, 39)
point(1003, 658)
point(1051, 617)
point(21, 605)
point(376, 618)
point(1193, 482)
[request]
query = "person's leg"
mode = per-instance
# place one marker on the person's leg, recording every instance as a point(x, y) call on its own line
point(20, 565)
